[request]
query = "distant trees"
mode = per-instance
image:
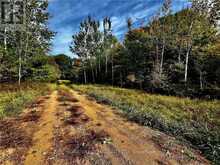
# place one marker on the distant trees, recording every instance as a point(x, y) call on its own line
point(135, 56)
point(43, 69)
point(86, 43)
point(66, 67)
point(93, 48)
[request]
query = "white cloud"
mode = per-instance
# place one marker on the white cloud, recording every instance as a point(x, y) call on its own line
point(67, 15)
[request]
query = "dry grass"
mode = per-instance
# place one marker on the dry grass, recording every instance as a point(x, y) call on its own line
point(13, 99)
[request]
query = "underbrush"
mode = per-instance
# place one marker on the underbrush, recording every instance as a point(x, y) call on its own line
point(194, 121)
point(13, 99)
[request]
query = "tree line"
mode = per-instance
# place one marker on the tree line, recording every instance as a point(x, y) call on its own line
point(173, 53)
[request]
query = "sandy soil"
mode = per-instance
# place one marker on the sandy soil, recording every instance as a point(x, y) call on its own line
point(69, 128)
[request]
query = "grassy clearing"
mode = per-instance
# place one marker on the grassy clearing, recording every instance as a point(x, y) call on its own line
point(195, 121)
point(14, 99)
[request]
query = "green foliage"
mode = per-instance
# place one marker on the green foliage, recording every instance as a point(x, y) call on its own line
point(86, 44)
point(136, 53)
point(194, 121)
point(47, 73)
point(65, 64)
point(13, 100)
point(173, 52)
point(43, 68)
point(13, 103)
point(17, 48)
point(8, 67)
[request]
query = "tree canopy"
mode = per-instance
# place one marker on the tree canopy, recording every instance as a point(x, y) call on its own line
point(171, 54)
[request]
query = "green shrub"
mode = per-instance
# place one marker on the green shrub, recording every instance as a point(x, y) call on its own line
point(47, 73)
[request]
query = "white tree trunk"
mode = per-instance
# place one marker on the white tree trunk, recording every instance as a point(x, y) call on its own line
point(179, 55)
point(187, 63)
point(106, 63)
point(99, 63)
point(26, 46)
point(5, 39)
point(201, 80)
point(19, 70)
point(19, 50)
point(85, 77)
point(121, 81)
point(162, 58)
point(188, 52)
point(92, 69)
point(112, 70)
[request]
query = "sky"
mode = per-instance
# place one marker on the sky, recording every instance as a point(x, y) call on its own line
point(67, 15)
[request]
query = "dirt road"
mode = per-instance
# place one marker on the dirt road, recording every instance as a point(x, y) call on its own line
point(67, 128)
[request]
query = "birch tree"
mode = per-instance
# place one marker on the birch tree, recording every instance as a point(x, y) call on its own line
point(86, 43)
point(35, 36)
point(107, 24)
point(166, 11)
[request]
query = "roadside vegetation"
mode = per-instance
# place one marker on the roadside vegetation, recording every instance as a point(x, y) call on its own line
point(190, 120)
point(13, 99)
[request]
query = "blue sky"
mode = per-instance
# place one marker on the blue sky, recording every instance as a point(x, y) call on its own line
point(67, 15)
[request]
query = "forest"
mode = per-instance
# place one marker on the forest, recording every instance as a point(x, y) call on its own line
point(174, 54)
point(151, 95)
